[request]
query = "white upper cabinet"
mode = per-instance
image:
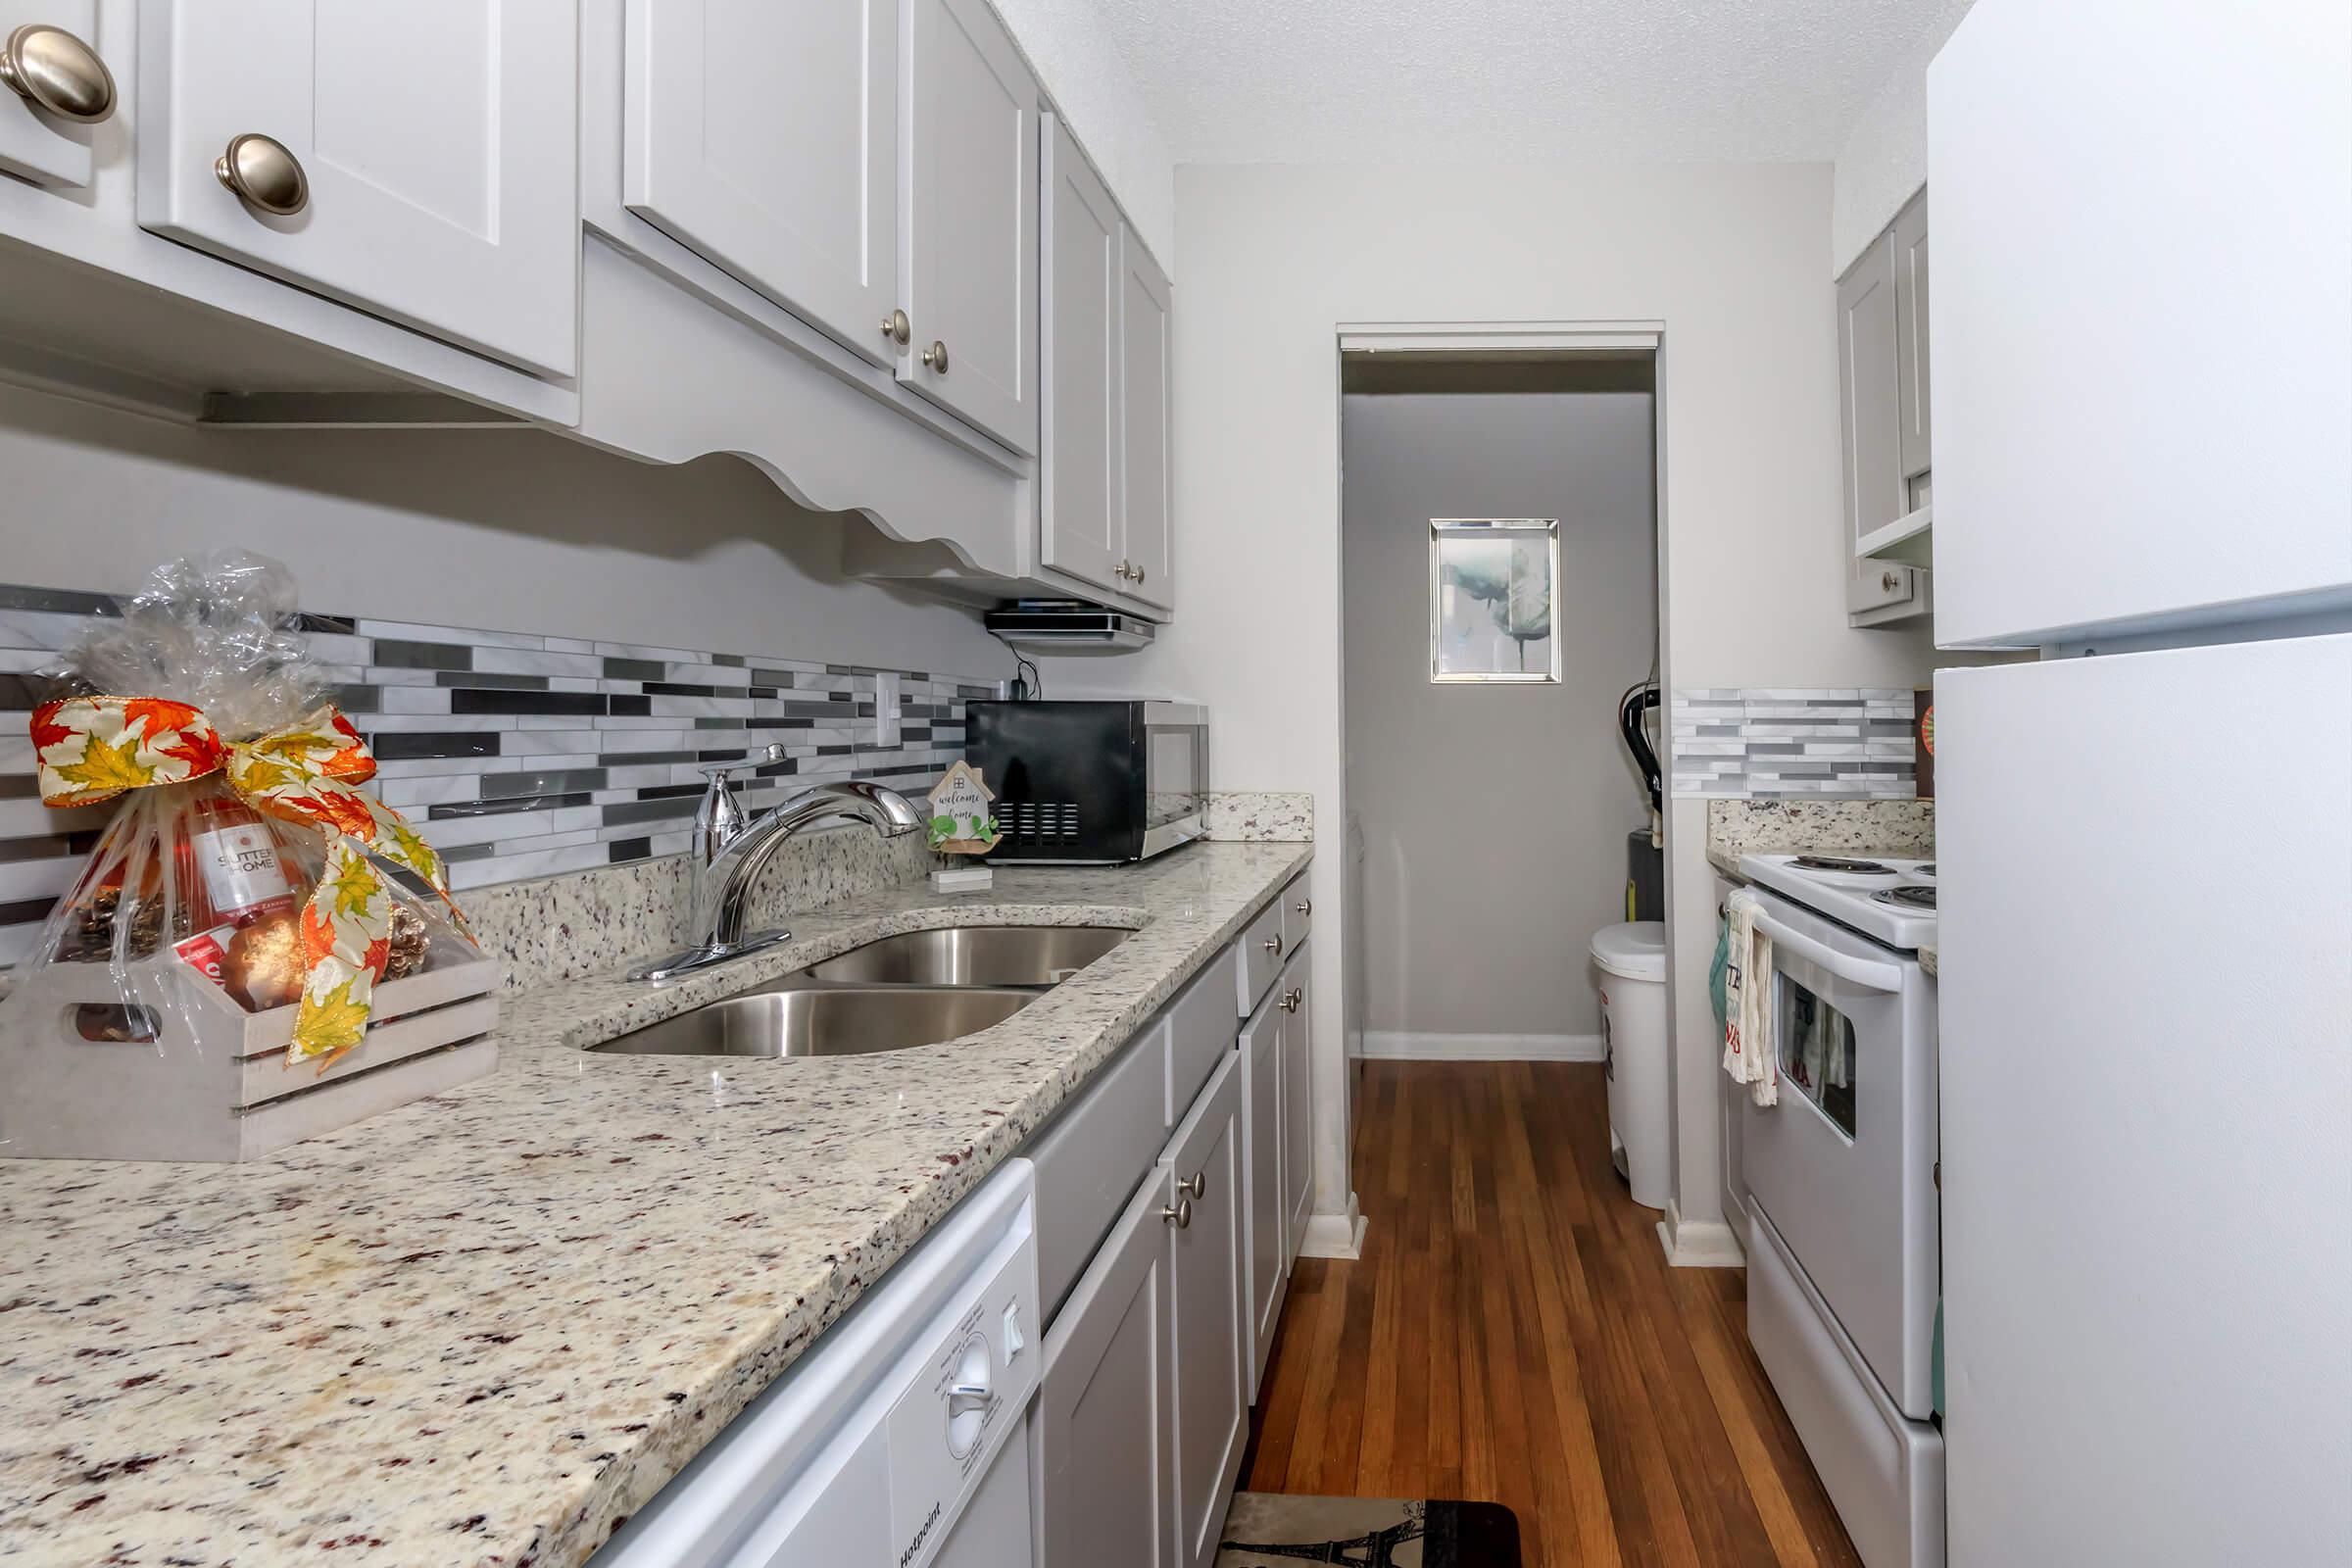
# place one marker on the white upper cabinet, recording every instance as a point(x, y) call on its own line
point(1869, 413)
point(1104, 515)
point(763, 134)
point(969, 234)
point(1082, 496)
point(2142, 315)
point(418, 161)
point(61, 87)
point(1144, 320)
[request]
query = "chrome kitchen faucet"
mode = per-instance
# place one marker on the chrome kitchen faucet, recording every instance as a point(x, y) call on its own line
point(730, 851)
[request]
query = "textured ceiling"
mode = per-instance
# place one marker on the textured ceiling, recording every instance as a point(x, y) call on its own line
point(1512, 80)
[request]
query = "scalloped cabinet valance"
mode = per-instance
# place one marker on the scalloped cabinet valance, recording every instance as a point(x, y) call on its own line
point(849, 243)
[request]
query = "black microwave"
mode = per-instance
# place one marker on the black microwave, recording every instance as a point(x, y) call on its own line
point(1092, 782)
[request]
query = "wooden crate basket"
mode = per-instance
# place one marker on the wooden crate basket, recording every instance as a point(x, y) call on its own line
point(228, 1092)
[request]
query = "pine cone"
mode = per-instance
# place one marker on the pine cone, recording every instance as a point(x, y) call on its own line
point(409, 943)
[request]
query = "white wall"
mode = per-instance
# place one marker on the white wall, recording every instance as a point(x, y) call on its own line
point(1495, 815)
point(1081, 69)
point(1729, 258)
point(504, 530)
point(1884, 159)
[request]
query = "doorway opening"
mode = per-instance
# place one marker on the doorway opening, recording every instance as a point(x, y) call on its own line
point(1501, 599)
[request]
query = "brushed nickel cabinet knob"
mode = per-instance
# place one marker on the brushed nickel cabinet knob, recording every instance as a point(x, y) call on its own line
point(1273, 945)
point(264, 174)
point(936, 357)
point(51, 69)
point(1180, 1216)
point(1194, 1185)
point(897, 328)
point(1304, 907)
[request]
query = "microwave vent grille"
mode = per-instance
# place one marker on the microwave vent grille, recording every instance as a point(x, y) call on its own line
point(1039, 821)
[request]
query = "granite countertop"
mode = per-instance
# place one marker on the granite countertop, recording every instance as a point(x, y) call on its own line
point(484, 1328)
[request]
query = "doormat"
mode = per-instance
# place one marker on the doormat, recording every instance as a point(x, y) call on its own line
point(1271, 1530)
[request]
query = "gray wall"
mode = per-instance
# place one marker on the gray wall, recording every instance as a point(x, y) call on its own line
point(508, 531)
point(1494, 816)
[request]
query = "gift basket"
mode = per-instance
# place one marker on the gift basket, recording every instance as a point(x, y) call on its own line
point(256, 950)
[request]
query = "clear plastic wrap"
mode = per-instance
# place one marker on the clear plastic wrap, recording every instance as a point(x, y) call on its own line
point(244, 869)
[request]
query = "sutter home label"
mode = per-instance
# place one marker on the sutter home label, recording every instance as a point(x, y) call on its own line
point(238, 863)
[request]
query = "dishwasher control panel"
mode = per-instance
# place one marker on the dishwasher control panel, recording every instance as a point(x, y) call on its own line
point(971, 1398)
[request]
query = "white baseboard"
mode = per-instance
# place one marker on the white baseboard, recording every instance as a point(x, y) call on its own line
point(1338, 1236)
point(1700, 1243)
point(1381, 1044)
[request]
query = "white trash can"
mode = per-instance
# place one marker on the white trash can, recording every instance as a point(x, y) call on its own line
point(1633, 1036)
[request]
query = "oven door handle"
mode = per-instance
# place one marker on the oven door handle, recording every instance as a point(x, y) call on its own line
point(1874, 973)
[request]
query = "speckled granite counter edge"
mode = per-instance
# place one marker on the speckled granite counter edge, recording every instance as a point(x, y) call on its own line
point(864, 1154)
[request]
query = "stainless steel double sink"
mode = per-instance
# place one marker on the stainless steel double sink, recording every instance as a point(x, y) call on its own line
point(918, 987)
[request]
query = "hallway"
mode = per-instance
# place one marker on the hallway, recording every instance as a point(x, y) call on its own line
point(1513, 1333)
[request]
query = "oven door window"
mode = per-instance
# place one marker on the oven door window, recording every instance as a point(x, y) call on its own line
point(1817, 1051)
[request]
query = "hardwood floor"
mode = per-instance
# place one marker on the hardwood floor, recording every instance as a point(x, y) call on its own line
point(1513, 1333)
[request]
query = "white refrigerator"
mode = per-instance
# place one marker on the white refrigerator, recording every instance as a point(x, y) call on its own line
point(2142, 395)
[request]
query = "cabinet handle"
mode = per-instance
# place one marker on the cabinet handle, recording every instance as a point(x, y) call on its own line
point(1122, 571)
point(1196, 1186)
point(1273, 945)
point(936, 357)
point(1181, 1216)
point(896, 328)
point(1290, 1000)
point(1304, 907)
point(264, 173)
point(51, 69)
point(1890, 581)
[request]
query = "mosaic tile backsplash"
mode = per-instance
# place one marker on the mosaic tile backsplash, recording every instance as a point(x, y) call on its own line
point(517, 756)
point(1769, 743)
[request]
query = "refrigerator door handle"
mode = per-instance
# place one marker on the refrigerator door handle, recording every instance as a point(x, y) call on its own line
point(1867, 972)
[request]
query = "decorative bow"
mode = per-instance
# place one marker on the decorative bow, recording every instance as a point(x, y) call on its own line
point(93, 749)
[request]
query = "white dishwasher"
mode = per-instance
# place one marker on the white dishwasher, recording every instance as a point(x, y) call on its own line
point(900, 1441)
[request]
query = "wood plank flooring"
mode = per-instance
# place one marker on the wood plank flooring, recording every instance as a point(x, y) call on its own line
point(1513, 1333)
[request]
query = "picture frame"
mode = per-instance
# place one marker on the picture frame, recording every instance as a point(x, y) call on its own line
point(1493, 585)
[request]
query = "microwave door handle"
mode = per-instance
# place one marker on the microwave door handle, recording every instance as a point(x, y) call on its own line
point(1873, 973)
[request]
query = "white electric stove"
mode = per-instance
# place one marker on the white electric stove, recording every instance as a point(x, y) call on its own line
point(1887, 900)
point(1844, 1237)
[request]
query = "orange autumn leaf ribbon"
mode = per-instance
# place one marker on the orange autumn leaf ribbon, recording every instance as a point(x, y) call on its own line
point(93, 749)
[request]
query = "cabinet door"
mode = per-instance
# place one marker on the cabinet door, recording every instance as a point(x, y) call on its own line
point(35, 144)
point(968, 225)
point(1909, 258)
point(764, 136)
point(1266, 1233)
point(1868, 420)
point(1146, 308)
point(437, 138)
point(1297, 1106)
point(1211, 1353)
point(1081, 492)
point(1107, 1418)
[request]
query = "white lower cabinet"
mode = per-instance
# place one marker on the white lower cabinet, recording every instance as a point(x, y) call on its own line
point(1297, 1102)
point(1211, 1325)
point(1263, 1193)
point(1154, 1357)
point(1107, 1412)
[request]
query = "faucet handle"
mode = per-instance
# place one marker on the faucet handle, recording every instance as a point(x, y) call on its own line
point(720, 772)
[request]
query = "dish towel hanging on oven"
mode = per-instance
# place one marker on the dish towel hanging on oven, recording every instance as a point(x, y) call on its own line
point(1749, 1054)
